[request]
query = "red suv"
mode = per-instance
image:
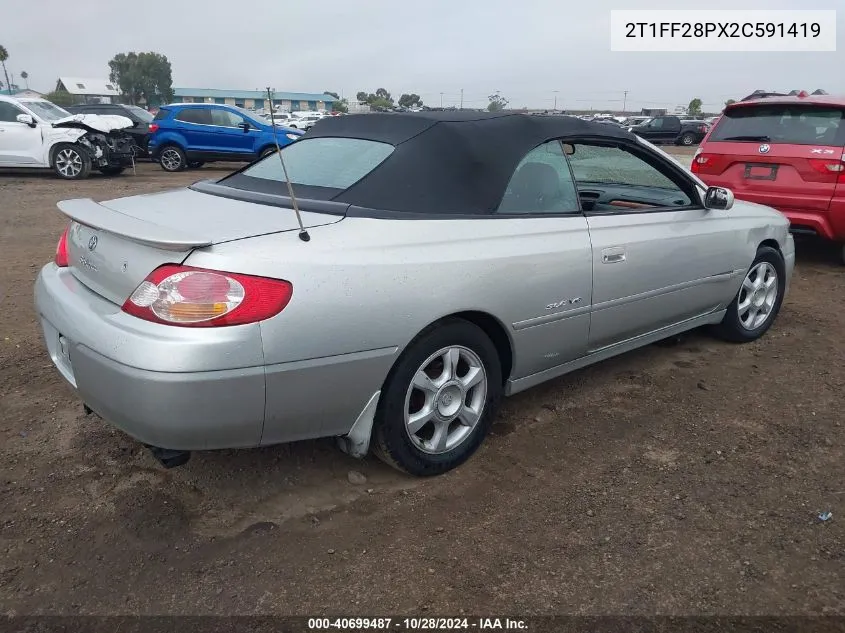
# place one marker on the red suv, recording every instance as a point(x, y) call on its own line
point(787, 152)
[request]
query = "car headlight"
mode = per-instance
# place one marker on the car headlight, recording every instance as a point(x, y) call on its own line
point(293, 137)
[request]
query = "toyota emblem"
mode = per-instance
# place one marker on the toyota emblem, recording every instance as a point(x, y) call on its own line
point(92, 243)
point(764, 149)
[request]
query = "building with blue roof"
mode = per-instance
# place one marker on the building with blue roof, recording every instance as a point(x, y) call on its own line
point(257, 99)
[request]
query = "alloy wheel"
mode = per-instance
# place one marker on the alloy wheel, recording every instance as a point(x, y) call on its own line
point(757, 296)
point(69, 162)
point(170, 159)
point(445, 400)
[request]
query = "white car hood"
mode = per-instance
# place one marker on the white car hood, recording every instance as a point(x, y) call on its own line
point(104, 123)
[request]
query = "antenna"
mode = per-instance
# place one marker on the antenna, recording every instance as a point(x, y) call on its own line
point(303, 234)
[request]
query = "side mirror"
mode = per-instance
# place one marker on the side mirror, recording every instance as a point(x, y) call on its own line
point(244, 126)
point(718, 198)
point(568, 149)
point(26, 119)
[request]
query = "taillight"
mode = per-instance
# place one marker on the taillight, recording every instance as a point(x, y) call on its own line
point(827, 166)
point(195, 297)
point(61, 258)
point(702, 129)
point(153, 127)
point(699, 160)
point(834, 168)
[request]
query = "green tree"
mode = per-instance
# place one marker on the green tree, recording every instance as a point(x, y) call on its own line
point(384, 95)
point(694, 106)
point(25, 77)
point(59, 97)
point(146, 76)
point(730, 102)
point(4, 55)
point(410, 101)
point(379, 99)
point(497, 102)
point(338, 105)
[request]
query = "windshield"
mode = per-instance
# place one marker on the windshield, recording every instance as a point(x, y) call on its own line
point(333, 163)
point(782, 123)
point(142, 114)
point(46, 110)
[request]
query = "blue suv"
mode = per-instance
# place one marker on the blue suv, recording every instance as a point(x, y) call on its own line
point(192, 134)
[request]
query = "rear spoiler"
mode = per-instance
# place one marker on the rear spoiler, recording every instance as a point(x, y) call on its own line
point(90, 213)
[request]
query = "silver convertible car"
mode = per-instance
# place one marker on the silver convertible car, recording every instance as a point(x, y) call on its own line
point(444, 260)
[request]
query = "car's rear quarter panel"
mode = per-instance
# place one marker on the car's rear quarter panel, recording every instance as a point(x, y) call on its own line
point(364, 288)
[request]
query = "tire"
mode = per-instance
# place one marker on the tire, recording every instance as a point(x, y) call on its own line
point(71, 162)
point(195, 164)
point(843, 253)
point(172, 158)
point(111, 171)
point(739, 324)
point(688, 139)
point(450, 418)
point(267, 151)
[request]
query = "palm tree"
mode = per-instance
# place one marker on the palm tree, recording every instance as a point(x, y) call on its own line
point(25, 77)
point(4, 55)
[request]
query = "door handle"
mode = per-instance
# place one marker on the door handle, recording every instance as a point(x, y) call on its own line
point(613, 255)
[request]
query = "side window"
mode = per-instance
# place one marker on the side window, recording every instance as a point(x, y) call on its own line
point(9, 113)
point(613, 180)
point(199, 116)
point(224, 118)
point(542, 183)
point(656, 123)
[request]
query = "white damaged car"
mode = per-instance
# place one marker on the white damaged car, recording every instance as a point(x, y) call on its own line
point(37, 133)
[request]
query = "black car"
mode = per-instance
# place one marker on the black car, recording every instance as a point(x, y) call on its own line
point(139, 132)
point(671, 130)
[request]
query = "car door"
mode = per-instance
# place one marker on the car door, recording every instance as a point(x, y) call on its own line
point(20, 144)
point(195, 126)
point(548, 306)
point(232, 139)
point(659, 257)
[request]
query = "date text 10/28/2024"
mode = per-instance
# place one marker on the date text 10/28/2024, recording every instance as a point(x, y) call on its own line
point(416, 624)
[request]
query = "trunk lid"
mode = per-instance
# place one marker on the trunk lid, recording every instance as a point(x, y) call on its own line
point(114, 245)
point(784, 176)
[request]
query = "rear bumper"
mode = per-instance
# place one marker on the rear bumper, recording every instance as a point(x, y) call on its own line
point(165, 386)
point(195, 388)
point(816, 222)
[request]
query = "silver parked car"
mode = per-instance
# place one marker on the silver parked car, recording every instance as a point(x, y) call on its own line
point(444, 260)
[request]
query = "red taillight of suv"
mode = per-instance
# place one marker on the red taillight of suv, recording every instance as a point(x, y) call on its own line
point(61, 258)
point(835, 168)
point(196, 297)
point(703, 163)
point(153, 127)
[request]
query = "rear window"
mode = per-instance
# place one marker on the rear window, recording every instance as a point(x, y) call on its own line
point(773, 123)
point(140, 113)
point(334, 163)
point(161, 114)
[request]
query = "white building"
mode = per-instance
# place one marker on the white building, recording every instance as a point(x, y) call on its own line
point(88, 90)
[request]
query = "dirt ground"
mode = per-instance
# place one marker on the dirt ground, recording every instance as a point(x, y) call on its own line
point(678, 479)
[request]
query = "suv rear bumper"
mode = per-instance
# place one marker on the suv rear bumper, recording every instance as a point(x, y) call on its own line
point(817, 223)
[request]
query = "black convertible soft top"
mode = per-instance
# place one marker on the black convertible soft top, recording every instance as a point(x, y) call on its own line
point(447, 162)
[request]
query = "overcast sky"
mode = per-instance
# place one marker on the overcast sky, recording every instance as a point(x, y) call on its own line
point(526, 49)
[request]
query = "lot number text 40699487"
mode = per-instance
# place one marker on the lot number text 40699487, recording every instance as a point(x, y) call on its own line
point(417, 624)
